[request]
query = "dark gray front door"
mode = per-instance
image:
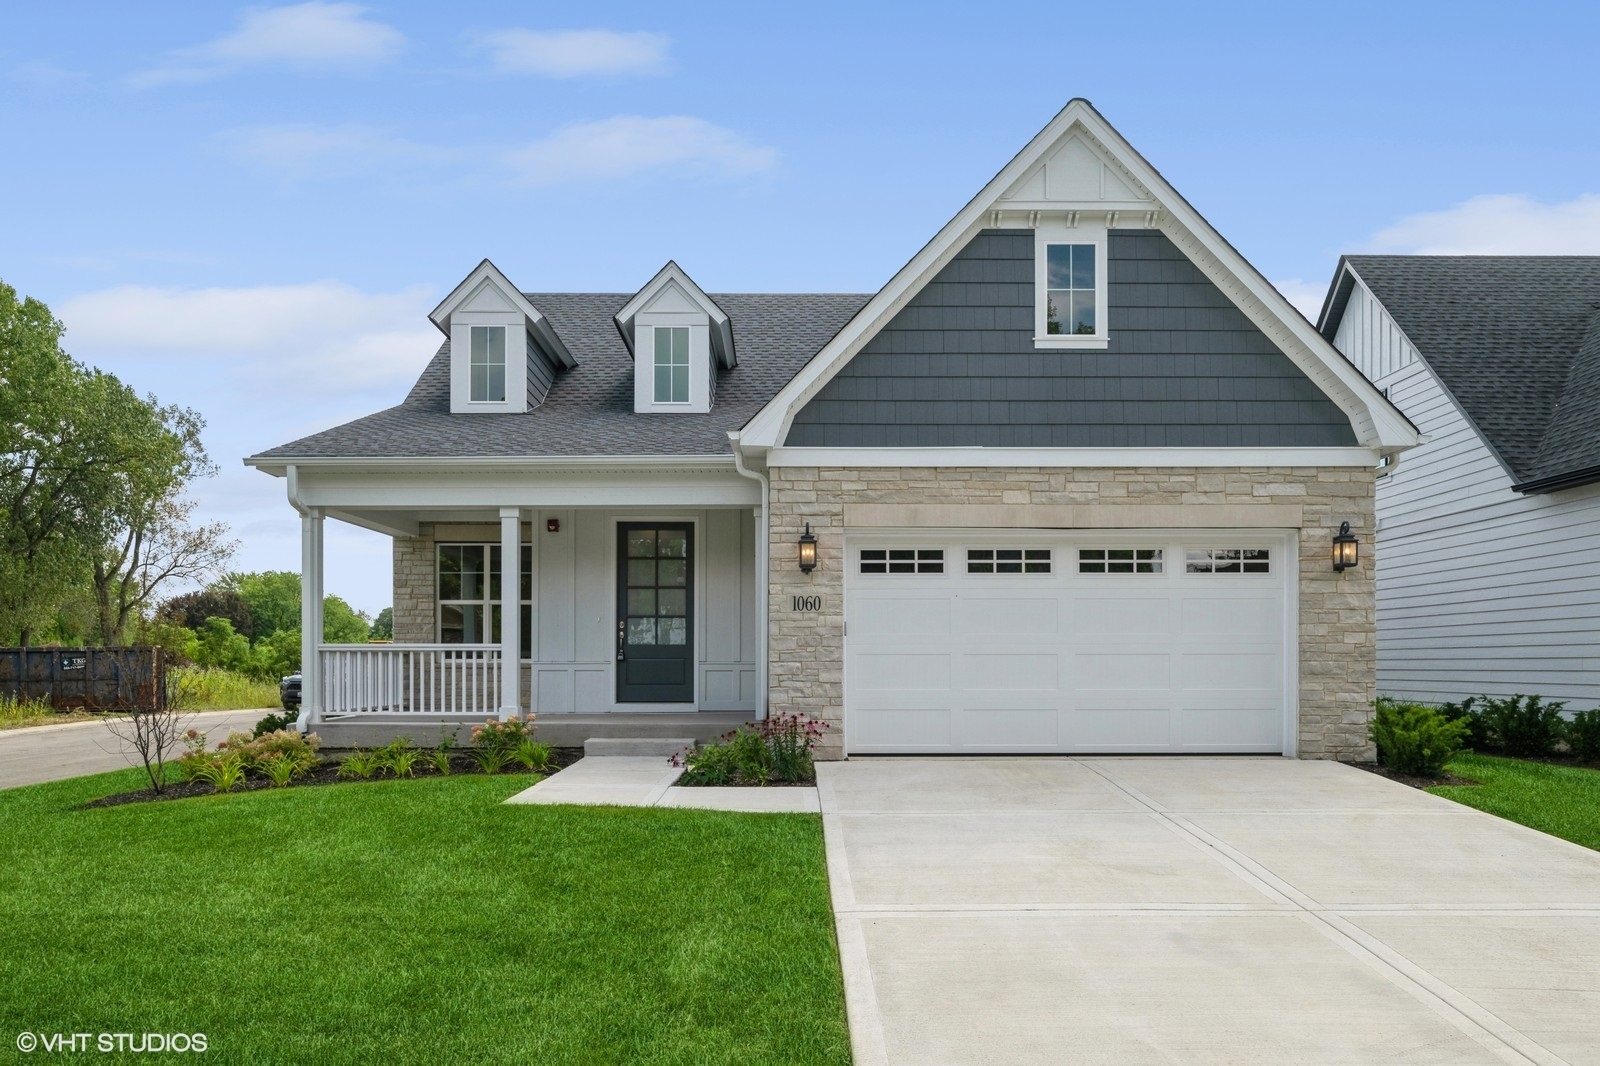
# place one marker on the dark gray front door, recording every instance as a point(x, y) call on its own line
point(655, 612)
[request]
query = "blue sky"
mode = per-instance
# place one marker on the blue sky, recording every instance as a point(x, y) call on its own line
point(250, 210)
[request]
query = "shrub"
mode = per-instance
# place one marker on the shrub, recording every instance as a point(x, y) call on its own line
point(1524, 727)
point(359, 765)
point(1583, 735)
point(495, 743)
point(223, 771)
point(270, 754)
point(778, 749)
point(532, 754)
point(280, 769)
point(1414, 739)
point(398, 757)
point(1477, 737)
point(275, 723)
point(440, 755)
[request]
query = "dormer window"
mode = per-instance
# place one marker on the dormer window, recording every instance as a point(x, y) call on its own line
point(672, 364)
point(680, 341)
point(1069, 286)
point(488, 364)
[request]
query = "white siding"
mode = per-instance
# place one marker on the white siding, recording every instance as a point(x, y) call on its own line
point(1480, 589)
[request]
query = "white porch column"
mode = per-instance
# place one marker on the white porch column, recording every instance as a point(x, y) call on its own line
point(310, 618)
point(510, 612)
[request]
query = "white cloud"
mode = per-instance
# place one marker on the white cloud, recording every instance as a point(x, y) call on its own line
point(46, 74)
point(629, 144)
point(334, 36)
point(1498, 224)
point(275, 339)
point(306, 150)
point(1305, 295)
point(574, 53)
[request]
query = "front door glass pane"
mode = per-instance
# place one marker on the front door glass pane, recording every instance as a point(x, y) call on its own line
point(657, 599)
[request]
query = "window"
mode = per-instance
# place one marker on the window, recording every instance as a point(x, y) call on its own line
point(488, 364)
point(469, 594)
point(1227, 561)
point(1120, 561)
point(902, 560)
point(1070, 302)
point(1008, 560)
point(672, 364)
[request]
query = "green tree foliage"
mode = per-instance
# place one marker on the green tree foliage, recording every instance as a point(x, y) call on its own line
point(214, 601)
point(383, 625)
point(84, 460)
point(273, 597)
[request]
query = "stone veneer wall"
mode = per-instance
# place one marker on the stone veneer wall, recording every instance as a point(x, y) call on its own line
point(413, 588)
point(1337, 611)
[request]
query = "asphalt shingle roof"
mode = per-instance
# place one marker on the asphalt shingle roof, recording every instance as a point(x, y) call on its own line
point(589, 410)
point(1516, 340)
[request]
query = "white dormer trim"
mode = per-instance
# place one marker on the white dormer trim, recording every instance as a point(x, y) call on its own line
point(1081, 168)
point(673, 290)
point(486, 297)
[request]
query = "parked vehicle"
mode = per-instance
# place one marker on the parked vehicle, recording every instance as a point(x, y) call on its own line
point(289, 692)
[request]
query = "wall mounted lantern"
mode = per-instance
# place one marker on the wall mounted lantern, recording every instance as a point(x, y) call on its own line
point(1346, 549)
point(808, 550)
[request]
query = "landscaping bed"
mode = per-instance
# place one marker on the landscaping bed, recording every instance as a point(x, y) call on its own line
point(329, 774)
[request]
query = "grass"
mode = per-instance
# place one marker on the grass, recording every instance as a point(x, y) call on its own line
point(17, 712)
point(206, 689)
point(1563, 801)
point(419, 921)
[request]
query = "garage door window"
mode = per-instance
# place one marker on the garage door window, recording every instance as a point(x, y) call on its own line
point(902, 560)
point(1227, 561)
point(1120, 561)
point(1008, 560)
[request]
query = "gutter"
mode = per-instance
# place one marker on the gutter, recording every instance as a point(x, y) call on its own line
point(1572, 479)
point(763, 569)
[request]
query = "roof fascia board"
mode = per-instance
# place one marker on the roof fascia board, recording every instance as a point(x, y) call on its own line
point(537, 323)
point(1377, 422)
point(279, 465)
point(1074, 457)
point(672, 272)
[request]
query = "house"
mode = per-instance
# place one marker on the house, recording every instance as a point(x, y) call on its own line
point(1069, 482)
point(1488, 534)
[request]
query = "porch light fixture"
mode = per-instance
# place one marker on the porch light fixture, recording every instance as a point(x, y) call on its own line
point(1346, 549)
point(808, 550)
point(552, 525)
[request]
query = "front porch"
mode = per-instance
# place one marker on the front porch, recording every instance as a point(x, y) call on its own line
point(610, 604)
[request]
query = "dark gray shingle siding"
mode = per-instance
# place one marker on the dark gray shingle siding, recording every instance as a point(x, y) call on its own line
point(589, 409)
point(957, 366)
point(1511, 338)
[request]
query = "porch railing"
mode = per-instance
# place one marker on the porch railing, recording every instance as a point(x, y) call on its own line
point(437, 679)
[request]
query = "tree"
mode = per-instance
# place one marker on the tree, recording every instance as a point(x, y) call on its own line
point(82, 458)
point(214, 601)
point(383, 625)
point(159, 545)
point(273, 596)
point(343, 624)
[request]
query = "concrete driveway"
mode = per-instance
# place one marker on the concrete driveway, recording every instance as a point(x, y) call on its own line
point(1240, 910)
point(52, 752)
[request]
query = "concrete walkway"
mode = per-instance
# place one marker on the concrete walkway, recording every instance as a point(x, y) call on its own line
point(53, 752)
point(648, 782)
point(1200, 911)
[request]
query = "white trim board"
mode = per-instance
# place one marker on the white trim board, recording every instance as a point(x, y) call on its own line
point(1377, 423)
point(1120, 458)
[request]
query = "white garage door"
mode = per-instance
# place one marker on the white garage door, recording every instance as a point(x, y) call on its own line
point(1067, 642)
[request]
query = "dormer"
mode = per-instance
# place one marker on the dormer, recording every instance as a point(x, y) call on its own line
point(679, 339)
point(504, 354)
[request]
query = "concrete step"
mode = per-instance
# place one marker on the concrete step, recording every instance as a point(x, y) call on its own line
point(636, 746)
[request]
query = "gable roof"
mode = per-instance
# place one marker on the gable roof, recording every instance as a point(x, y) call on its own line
point(1514, 339)
point(1079, 162)
point(674, 276)
point(488, 283)
point(589, 409)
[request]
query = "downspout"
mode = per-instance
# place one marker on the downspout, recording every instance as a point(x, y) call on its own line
point(763, 571)
point(292, 477)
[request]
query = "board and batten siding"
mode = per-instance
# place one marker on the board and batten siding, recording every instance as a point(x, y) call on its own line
point(957, 366)
point(575, 605)
point(1480, 589)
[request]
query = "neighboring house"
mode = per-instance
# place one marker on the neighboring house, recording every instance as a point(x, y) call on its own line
point(1489, 534)
point(1069, 482)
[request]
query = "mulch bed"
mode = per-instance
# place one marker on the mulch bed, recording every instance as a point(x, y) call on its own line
point(326, 774)
point(1412, 779)
point(810, 782)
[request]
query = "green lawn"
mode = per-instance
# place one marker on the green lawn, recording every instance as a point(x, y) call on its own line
point(1563, 801)
point(418, 921)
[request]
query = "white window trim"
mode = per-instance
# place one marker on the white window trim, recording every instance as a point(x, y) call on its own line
point(1045, 236)
point(688, 399)
point(488, 603)
point(505, 364)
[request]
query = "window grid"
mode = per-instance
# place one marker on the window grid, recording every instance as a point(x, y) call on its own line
point(1008, 560)
point(1227, 561)
point(488, 364)
point(672, 364)
point(466, 595)
point(1121, 561)
point(901, 561)
point(1070, 290)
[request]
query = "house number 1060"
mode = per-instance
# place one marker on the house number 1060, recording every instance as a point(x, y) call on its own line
point(807, 603)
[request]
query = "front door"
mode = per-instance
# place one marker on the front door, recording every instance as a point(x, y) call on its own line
point(655, 612)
